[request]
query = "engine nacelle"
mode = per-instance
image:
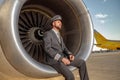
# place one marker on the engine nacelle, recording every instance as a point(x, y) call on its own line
point(22, 50)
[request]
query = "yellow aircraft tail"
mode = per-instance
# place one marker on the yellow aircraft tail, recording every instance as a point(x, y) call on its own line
point(99, 38)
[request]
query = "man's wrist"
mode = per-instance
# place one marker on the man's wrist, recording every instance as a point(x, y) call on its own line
point(69, 53)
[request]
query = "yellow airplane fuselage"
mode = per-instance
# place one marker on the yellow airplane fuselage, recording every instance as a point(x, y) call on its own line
point(105, 43)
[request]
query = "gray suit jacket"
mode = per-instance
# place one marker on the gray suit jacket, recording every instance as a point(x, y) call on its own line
point(54, 49)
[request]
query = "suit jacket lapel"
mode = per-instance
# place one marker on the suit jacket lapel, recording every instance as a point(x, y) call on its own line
point(55, 36)
point(61, 42)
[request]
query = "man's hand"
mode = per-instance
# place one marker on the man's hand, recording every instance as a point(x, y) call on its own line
point(66, 61)
point(71, 57)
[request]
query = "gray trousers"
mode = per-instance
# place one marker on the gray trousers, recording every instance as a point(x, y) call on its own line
point(68, 75)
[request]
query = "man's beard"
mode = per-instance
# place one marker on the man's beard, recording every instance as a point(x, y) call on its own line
point(58, 27)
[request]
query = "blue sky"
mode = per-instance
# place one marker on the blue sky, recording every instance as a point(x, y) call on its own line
point(106, 17)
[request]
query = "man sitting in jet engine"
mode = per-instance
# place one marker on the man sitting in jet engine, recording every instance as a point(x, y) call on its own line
point(56, 52)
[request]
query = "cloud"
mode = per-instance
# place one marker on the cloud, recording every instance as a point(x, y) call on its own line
point(101, 16)
point(102, 21)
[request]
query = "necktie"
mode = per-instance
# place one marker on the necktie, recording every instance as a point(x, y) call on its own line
point(59, 37)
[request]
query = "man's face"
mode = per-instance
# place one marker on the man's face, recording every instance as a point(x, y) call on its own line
point(57, 24)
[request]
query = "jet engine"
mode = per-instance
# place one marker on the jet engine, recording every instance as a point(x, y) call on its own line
point(22, 25)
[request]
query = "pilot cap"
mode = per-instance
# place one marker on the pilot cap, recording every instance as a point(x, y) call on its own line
point(56, 17)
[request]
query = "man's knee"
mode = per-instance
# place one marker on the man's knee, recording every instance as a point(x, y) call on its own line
point(78, 62)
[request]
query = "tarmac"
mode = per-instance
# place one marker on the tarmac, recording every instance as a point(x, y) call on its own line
point(101, 66)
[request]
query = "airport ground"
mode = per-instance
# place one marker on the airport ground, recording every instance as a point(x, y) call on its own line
point(101, 66)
